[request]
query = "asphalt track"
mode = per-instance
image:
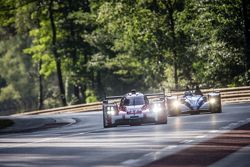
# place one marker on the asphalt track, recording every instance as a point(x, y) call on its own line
point(87, 143)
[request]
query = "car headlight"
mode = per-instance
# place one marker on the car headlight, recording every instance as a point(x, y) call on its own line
point(212, 100)
point(176, 103)
point(157, 108)
point(110, 111)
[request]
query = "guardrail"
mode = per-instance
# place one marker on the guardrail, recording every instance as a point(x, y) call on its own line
point(228, 95)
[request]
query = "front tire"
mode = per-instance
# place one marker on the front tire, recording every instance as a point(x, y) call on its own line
point(162, 118)
point(165, 121)
point(172, 109)
point(215, 109)
point(107, 121)
point(174, 112)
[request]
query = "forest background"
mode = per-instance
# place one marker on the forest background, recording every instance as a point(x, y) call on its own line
point(63, 52)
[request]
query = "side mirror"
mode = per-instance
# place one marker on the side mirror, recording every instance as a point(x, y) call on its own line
point(105, 101)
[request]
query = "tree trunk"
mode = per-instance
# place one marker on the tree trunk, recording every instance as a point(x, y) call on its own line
point(40, 98)
point(99, 83)
point(176, 81)
point(56, 55)
point(245, 7)
point(175, 59)
point(73, 55)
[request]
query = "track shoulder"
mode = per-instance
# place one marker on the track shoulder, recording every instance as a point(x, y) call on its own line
point(208, 152)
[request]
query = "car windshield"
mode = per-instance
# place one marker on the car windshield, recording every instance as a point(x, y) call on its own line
point(188, 93)
point(132, 101)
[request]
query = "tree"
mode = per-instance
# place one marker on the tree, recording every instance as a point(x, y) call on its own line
point(78, 23)
point(97, 47)
point(246, 17)
point(55, 52)
point(129, 36)
point(215, 30)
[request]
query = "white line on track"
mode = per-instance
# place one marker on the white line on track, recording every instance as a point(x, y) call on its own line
point(129, 162)
point(186, 141)
point(171, 147)
point(213, 131)
point(233, 124)
point(225, 128)
point(201, 136)
point(48, 139)
point(242, 121)
point(166, 151)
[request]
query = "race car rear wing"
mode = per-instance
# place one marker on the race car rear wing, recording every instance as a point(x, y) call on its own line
point(150, 95)
point(113, 97)
point(161, 96)
point(155, 94)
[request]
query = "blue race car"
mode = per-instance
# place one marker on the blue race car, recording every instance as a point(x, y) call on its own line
point(193, 103)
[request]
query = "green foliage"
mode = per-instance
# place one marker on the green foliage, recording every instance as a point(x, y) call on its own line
point(111, 47)
point(40, 48)
point(216, 42)
point(8, 93)
point(16, 68)
point(90, 96)
point(3, 82)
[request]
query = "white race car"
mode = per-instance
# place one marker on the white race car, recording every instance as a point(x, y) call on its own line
point(134, 109)
point(194, 104)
